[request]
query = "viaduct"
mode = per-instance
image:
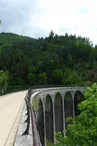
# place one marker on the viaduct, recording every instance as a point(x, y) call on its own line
point(51, 107)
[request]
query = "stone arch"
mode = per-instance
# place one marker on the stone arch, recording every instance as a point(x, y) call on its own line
point(49, 118)
point(58, 106)
point(68, 107)
point(40, 121)
point(78, 98)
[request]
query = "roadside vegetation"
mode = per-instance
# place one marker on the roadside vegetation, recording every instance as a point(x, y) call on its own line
point(83, 130)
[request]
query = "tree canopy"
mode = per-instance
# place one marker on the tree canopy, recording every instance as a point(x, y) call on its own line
point(4, 78)
point(59, 59)
point(83, 130)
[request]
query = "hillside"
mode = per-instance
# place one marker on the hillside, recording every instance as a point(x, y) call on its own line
point(65, 60)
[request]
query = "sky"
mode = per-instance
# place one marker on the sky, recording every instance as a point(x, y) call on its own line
point(36, 18)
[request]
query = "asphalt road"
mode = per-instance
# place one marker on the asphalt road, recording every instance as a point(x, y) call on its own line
point(9, 108)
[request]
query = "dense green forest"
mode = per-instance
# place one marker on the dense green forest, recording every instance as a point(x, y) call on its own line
point(55, 60)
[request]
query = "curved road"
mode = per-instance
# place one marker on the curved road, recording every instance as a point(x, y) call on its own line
point(10, 106)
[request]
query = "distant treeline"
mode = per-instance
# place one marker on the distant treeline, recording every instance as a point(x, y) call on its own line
point(56, 59)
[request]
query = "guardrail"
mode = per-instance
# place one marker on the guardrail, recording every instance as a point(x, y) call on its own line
point(35, 133)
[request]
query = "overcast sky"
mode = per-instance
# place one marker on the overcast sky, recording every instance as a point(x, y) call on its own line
point(36, 18)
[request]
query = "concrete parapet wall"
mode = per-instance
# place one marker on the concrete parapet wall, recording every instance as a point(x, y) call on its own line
point(60, 102)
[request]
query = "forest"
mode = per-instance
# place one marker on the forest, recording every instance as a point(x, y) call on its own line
point(67, 60)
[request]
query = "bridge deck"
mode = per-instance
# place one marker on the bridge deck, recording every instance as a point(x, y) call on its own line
point(10, 106)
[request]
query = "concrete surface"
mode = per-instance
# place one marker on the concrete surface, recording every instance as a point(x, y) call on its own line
point(10, 106)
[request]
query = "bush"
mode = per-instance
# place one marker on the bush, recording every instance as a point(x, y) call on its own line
point(83, 130)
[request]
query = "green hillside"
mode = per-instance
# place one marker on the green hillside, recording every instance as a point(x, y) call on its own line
point(63, 60)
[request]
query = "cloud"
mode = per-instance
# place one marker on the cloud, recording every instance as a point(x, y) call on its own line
point(37, 17)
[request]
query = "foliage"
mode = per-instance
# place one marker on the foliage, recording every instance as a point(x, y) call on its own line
point(31, 78)
point(57, 76)
point(71, 77)
point(65, 59)
point(4, 78)
point(49, 143)
point(83, 130)
point(42, 78)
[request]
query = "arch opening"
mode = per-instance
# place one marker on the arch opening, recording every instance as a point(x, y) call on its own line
point(78, 98)
point(58, 113)
point(68, 107)
point(49, 119)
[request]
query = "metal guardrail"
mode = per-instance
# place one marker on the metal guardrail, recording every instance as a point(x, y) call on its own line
point(35, 133)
